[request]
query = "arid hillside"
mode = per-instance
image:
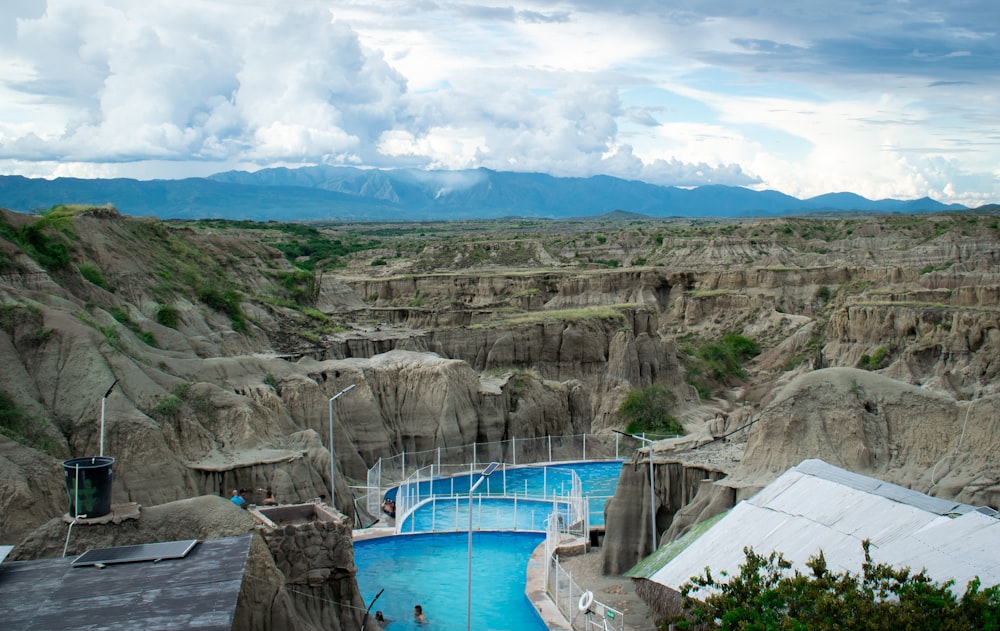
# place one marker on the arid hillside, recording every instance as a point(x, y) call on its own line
point(228, 339)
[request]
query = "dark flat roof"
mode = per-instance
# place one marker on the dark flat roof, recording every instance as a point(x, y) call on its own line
point(198, 591)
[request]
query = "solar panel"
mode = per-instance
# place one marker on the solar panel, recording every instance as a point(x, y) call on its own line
point(140, 552)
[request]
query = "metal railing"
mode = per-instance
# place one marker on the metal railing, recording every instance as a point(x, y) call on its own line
point(445, 489)
point(391, 471)
point(567, 595)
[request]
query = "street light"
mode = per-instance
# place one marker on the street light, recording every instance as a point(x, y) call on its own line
point(490, 468)
point(652, 501)
point(333, 486)
point(104, 401)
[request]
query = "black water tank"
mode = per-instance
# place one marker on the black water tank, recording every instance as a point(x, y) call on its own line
point(88, 485)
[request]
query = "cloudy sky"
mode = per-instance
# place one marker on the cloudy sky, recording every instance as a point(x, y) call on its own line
point(885, 98)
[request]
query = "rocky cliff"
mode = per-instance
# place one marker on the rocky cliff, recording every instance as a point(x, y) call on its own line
point(226, 341)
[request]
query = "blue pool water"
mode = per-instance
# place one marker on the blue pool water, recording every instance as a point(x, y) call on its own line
point(598, 478)
point(432, 570)
point(487, 514)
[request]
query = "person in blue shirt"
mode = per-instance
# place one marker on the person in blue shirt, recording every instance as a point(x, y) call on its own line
point(238, 499)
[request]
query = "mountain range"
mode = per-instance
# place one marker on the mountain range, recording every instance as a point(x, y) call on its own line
point(353, 194)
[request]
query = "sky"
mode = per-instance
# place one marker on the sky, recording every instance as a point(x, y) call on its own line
point(884, 98)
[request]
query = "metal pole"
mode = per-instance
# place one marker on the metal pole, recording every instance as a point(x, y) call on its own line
point(652, 499)
point(490, 468)
point(652, 502)
point(333, 486)
point(104, 400)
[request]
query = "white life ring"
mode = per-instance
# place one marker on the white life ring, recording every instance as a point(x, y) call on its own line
point(586, 600)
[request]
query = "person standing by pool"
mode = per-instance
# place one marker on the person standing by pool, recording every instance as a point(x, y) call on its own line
point(418, 614)
point(237, 498)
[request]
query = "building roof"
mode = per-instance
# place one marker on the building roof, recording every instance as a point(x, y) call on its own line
point(198, 591)
point(817, 507)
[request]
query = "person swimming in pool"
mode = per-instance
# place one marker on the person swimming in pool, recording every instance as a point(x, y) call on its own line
point(418, 615)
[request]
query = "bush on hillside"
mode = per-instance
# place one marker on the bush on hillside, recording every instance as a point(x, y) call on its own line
point(765, 594)
point(647, 411)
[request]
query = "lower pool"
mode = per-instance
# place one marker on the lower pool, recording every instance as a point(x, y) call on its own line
point(431, 570)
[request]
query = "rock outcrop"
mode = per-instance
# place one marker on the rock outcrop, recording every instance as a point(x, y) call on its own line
point(225, 354)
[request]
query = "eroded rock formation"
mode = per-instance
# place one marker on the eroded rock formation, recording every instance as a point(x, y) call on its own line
point(226, 354)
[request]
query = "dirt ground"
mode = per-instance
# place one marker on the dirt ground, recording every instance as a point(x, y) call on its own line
point(615, 591)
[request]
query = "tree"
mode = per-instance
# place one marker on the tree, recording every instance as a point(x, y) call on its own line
point(647, 410)
point(765, 594)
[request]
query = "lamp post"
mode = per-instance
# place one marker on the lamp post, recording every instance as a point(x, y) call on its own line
point(490, 468)
point(652, 501)
point(333, 486)
point(104, 401)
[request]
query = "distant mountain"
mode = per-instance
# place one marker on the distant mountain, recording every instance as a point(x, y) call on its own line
point(351, 194)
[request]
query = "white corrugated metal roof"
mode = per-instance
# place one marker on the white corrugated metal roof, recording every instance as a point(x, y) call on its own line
point(821, 507)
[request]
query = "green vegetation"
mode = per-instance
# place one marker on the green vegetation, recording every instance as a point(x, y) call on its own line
point(167, 315)
point(227, 301)
point(309, 249)
point(875, 361)
point(647, 411)
point(569, 315)
point(92, 275)
point(300, 286)
point(45, 239)
point(817, 339)
point(19, 426)
point(764, 594)
point(167, 408)
point(713, 363)
point(121, 315)
point(936, 268)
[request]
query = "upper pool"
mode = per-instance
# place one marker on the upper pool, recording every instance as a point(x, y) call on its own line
point(598, 479)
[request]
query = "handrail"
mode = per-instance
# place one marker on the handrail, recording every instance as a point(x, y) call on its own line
point(390, 471)
point(430, 483)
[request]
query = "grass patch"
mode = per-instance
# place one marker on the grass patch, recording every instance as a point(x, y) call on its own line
point(567, 315)
point(23, 428)
point(92, 275)
point(710, 364)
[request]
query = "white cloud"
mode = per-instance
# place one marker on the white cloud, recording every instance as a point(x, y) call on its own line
point(806, 97)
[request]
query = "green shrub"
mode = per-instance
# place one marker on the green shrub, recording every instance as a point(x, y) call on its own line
point(647, 411)
point(765, 594)
point(300, 286)
point(21, 427)
point(92, 275)
point(227, 302)
point(120, 314)
point(726, 358)
point(167, 315)
point(167, 408)
point(876, 361)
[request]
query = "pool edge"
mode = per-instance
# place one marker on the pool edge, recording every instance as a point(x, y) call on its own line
point(534, 590)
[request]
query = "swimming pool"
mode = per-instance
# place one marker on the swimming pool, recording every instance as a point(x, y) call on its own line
point(431, 570)
point(598, 479)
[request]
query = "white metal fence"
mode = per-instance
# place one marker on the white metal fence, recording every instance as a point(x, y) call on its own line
point(445, 491)
point(568, 596)
point(391, 471)
point(429, 477)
